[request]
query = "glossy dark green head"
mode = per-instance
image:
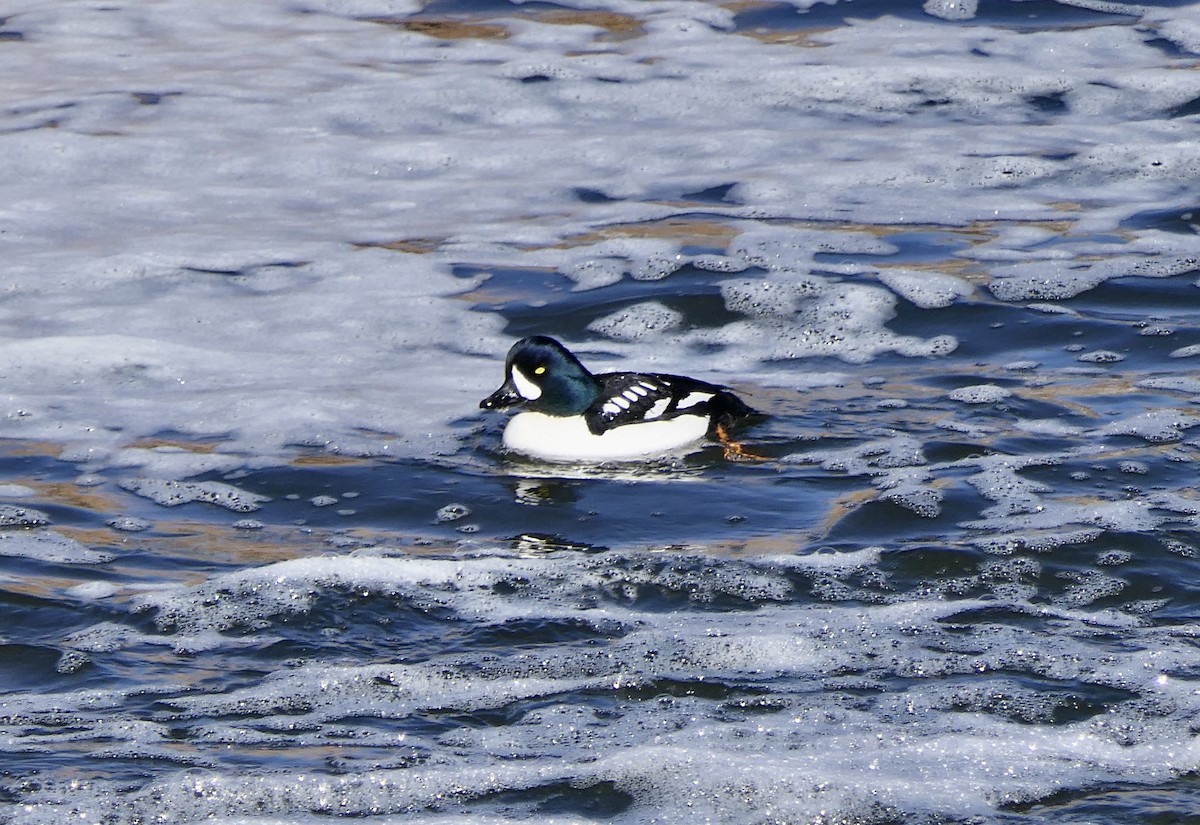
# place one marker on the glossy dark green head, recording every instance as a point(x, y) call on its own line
point(543, 375)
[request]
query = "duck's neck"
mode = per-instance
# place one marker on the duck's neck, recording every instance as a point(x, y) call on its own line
point(571, 395)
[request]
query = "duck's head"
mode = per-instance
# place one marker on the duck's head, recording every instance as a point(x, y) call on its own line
point(543, 375)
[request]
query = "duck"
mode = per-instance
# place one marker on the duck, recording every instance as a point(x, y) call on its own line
point(568, 414)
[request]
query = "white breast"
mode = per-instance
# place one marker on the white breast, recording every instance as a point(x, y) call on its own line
point(556, 438)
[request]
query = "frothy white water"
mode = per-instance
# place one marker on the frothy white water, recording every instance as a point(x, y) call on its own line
point(183, 221)
point(777, 711)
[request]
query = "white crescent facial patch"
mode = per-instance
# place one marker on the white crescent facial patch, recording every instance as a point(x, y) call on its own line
point(528, 390)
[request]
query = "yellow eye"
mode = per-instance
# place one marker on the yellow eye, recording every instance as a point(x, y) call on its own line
point(539, 370)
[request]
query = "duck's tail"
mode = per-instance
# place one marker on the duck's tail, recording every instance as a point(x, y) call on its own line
point(728, 410)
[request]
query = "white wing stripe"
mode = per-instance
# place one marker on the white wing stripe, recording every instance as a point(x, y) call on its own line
point(694, 398)
point(659, 408)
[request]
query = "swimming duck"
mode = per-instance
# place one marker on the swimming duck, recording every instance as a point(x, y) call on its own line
point(569, 414)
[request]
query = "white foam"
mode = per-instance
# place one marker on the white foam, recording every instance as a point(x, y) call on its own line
point(244, 311)
point(1048, 426)
point(1026, 365)
point(804, 317)
point(12, 515)
point(452, 512)
point(1177, 383)
point(645, 320)
point(980, 394)
point(1117, 516)
point(1101, 356)
point(998, 481)
point(894, 452)
point(952, 9)
point(91, 591)
point(49, 546)
point(1155, 426)
point(1189, 351)
point(175, 493)
point(1058, 279)
point(912, 490)
point(797, 750)
point(927, 290)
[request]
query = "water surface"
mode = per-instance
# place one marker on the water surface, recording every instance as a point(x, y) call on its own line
point(264, 560)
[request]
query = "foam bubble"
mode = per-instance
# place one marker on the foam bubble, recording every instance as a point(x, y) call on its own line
point(999, 481)
point(175, 493)
point(92, 591)
point(1102, 356)
point(645, 320)
point(1155, 426)
point(1176, 383)
point(770, 297)
point(804, 316)
point(1117, 516)
point(894, 452)
point(603, 263)
point(50, 546)
point(952, 9)
point(980, 394)
point(1048, 426)
point(452, 512)
point(1025, 365)
point(1056, 279)
point(593, 273)
point(913, 492)
point(927, 290)
point(129, 524)
point(14, 516)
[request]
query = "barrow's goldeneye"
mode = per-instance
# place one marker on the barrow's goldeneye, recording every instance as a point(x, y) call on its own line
point(572, 415)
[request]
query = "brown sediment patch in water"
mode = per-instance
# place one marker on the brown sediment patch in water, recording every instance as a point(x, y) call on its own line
point(446, 28)
point(174, 444)
point(685, 230)
point(328, 460)
point(614, 26)
point(413, 246)
point(717, 230)
point(92, 499)
point(198, 540)
point(46, 449)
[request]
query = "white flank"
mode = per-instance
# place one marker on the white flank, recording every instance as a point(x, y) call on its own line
point(558, 438)
point(528, 390)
